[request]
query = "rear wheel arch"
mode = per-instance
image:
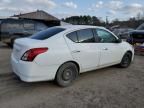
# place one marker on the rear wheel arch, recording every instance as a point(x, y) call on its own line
point(70, 62)
point(62, 78)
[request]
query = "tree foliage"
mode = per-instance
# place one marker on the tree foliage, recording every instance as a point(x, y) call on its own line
point(84, 20)
point(93, 20)
point(132, 23)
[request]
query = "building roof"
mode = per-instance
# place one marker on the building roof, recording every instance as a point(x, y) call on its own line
point(38, 15)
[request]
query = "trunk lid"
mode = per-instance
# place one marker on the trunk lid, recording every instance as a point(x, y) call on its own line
point(22, 45)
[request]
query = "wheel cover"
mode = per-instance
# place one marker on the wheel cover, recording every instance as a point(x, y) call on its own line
point(67, 74)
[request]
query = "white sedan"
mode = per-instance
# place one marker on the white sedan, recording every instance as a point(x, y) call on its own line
point(61, 53)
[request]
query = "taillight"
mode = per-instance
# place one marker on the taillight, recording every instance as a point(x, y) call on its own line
point(32, 53)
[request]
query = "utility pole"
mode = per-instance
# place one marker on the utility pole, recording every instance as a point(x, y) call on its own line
point(107, 22)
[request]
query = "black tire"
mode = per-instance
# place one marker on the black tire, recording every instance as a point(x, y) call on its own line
point(66, 74)
point(126, 60)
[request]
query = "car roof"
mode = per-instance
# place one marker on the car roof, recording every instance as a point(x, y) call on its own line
point(71, 27)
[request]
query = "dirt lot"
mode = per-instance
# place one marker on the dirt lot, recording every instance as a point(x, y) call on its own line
point(105, 88)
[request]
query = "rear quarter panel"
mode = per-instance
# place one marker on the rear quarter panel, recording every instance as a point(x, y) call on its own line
point(57, 54)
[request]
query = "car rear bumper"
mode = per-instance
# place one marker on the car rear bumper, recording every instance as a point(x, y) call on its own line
point(32, 72)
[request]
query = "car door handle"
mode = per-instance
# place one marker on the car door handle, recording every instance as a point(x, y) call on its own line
point(105, 48)
point(76, 51)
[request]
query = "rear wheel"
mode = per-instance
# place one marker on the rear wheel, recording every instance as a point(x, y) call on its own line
point(126, 60)
point(66, 74)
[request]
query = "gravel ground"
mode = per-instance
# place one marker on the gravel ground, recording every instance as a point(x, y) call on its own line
point(4, 59)
point(111, 87)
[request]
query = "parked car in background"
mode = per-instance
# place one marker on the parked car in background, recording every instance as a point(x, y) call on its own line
point(141, 27)
point(61, 53)
point(11, 28)
point(139, 49)
point(122, 33)
point(137, 36)
point(114, 27)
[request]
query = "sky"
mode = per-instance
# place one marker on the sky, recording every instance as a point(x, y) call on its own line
point(121, 9)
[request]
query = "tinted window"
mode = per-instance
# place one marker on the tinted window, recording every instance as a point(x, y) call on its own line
point(105, 36)
point(47, 33)
point(85, 36)
point(73, 36)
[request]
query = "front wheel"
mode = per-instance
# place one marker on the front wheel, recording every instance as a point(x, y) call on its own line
point(66, 74)
point(126, 60)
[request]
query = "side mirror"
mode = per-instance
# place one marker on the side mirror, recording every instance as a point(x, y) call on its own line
point(118, 41)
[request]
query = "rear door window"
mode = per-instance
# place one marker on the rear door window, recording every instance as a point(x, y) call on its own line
point(47, 33)
point(82, 36)
point(86, 36)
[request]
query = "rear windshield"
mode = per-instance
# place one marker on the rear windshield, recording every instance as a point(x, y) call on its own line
point(47, 33)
